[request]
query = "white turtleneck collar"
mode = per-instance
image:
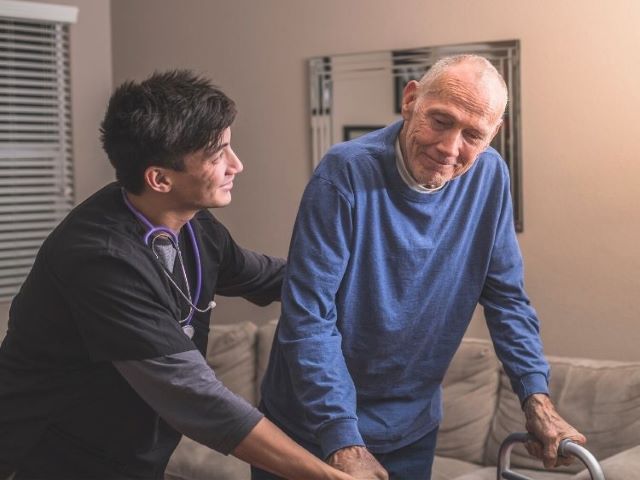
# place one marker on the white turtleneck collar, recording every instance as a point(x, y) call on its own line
point(406, 175)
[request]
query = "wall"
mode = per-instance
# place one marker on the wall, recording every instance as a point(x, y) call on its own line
point(580, 102)
point(91, 82)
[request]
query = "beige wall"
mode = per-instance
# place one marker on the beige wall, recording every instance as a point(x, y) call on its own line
point(580, 100)
point(91, 81)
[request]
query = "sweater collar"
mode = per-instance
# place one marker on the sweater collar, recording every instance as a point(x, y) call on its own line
point(389, 164)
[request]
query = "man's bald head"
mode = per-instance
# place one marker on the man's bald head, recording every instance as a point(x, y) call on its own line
point(450, 118)
point(450, 77)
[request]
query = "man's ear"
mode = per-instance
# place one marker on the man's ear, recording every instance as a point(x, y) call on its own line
point(409, 96)
point(495, 132)
point(157, 179)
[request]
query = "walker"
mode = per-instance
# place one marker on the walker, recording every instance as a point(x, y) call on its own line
point(566, 448)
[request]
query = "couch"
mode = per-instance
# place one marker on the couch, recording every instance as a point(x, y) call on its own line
point(601, 398)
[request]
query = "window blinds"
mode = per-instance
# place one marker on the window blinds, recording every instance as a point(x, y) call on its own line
point(36, 176)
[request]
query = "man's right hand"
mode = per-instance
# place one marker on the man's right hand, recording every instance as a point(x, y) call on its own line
point(548, 429)
point(358, 462)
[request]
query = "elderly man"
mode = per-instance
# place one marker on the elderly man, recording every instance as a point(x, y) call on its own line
point(399, 235)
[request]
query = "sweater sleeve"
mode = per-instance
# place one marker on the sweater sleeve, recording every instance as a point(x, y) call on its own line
point(308, 334)
point(512, 321)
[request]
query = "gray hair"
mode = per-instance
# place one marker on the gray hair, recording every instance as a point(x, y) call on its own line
point(433, 84)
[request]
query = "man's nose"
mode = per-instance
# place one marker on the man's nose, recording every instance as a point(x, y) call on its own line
point(235, 165)
point(449, 144)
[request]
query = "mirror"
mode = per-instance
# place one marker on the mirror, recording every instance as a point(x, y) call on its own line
point(352, 94)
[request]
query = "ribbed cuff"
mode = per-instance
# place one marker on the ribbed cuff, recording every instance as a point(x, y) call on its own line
point(339, 434)
point(530, 384)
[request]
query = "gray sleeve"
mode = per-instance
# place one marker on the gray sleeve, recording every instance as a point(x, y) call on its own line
point(185, 392)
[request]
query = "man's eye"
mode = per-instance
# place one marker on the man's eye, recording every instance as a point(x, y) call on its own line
point(474, 137)
point(439, 123)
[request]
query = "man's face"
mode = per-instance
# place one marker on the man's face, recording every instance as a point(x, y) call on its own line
point(443, 135)
point(207, 178)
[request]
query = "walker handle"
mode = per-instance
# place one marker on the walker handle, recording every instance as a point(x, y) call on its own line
point(566, 448)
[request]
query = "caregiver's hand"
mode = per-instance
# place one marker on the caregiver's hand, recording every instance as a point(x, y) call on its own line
point(359, 462)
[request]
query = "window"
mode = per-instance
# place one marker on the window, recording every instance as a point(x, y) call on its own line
point(36, 176)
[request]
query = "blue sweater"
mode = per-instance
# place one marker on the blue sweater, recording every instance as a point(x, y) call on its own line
point(380, 287)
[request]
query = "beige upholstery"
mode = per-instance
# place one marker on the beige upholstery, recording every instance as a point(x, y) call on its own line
point(445, 468)
point(600, 398)
point(473, 374)
point(489, 473)
point(623, 466)
point(232, 356)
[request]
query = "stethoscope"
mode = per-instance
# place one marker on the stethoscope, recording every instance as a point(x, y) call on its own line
point(152, 234)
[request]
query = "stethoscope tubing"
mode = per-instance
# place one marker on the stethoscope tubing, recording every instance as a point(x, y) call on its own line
point(152, 232)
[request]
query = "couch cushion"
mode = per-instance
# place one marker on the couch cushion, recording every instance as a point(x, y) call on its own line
point(622, 466)
point(470, 390)
point(490, 473)
point(600, 398)
point(232, 356)
point(265, 339)
point(192, 461)
point(447, 468)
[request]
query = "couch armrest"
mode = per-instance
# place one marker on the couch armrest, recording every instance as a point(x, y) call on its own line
point(621, 466)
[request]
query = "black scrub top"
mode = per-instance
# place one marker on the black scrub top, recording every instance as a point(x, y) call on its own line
point(96, 294)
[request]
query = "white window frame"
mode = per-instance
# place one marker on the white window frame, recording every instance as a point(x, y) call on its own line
point(36, 170)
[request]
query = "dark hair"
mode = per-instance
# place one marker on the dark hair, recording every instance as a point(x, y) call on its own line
point(160, 120)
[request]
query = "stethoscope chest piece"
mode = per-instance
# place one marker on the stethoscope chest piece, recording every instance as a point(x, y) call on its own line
point(188, 330)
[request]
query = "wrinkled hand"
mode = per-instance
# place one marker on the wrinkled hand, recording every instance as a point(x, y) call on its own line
point(359, 462)
point(548, 429)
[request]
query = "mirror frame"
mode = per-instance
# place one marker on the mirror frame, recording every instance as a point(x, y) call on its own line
point(411, 64)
